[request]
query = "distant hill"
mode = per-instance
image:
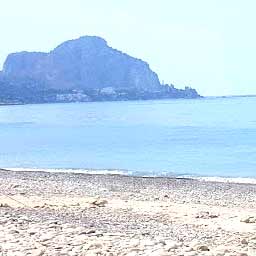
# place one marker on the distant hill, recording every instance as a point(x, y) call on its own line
point(85, 69)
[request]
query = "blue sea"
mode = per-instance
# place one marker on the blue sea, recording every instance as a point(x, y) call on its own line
point(199, 137)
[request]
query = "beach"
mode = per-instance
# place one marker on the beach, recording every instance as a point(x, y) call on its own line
point(46, 213)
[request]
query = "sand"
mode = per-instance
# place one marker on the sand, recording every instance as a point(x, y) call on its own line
point(81, 214)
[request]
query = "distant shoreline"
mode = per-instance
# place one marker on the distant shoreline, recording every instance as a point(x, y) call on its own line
point(97, 101)
point(232, 96)
point(10, 104)
point(139, 100)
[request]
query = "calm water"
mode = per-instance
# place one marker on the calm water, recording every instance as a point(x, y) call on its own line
point(213, 137)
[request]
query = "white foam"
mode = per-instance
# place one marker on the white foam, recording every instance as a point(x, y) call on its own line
point(66, 170)
point(241, 180)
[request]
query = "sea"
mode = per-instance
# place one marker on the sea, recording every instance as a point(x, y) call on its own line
point(208, 137)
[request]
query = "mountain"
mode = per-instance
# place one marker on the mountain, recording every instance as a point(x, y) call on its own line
point(83, 69)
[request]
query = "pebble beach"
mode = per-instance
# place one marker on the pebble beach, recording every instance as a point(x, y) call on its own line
point(72, 214)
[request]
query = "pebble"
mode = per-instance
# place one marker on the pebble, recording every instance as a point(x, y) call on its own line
point(249, 220)
point(99, 202)
point(38, 252)
point(244, 241)
point(203, 248)
point(242, 254)
point(145, 219)
point(171, 246)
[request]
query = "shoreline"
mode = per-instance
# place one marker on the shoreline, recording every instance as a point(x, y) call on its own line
point(101, 101)
point(49, 213)
point(130, 173)
point(133, 100)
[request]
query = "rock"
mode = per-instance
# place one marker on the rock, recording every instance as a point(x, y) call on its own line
point(171, 245)
point(46, 237)
point(15, 186)
point(4, 205)
point(84, 69)
point(93, 246)
point(244, 241)
point(188, 249)
point(249, 220)
point(99, 202)
point(203, 248)
point(87, 232)
point(69, 66)
point(32, 232)
point(242, 254)
point(38, 252)
point(206, 215)
point(14, 231)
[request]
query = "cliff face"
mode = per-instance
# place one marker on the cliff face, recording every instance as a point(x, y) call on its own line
point(84, 63)
point(85, 69)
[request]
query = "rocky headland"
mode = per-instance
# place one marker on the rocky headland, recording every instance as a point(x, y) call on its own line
point(80, 70)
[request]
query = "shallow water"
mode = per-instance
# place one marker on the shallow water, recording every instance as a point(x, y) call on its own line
point(206, 137)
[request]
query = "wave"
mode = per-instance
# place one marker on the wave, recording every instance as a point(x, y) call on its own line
point(71, 170)
point(239, 180)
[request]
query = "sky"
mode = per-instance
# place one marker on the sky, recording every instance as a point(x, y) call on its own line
point(209, 45)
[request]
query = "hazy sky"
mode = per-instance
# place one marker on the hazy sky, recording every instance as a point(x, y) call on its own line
point(207, 44)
